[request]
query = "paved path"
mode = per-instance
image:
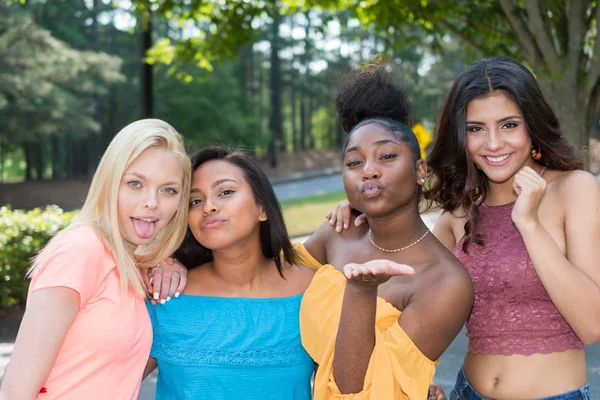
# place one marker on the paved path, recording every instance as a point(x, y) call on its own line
point(311, 187)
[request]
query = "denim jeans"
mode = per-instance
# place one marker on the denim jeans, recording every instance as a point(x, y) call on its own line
point(464, 391)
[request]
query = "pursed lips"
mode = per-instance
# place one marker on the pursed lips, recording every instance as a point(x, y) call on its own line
point(371, 188)
point(210, 223)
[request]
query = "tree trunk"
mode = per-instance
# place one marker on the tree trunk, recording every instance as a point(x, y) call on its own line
point(571, 112)
point(146, 82)
point(27, 149)
point(294, 111)
point(275, 121)
point(303, 119)
point(56, 150)
point(96, 137)
point(38, 160)
point(70, 159)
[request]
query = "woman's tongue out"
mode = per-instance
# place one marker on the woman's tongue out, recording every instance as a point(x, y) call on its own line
point(144, 228)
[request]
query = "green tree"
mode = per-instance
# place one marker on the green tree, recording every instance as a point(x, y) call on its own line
point(558, 40)
point(46, 87)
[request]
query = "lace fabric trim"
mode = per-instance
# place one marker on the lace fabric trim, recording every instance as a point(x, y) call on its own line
point(200, 356)
point(512, 312)
point(506, 346)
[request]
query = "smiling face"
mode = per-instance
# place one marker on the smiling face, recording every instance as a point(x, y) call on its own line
point(379, 171)
point(223, 210)
point(497, 138)
point(149, 195)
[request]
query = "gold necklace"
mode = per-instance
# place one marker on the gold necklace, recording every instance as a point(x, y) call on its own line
point(396, 250)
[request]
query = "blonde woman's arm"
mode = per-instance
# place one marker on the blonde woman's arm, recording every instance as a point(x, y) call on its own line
point(49, 314)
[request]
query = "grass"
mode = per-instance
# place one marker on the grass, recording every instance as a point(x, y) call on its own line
point(303, 216)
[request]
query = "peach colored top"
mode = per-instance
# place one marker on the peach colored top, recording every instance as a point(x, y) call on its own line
point(397, 369)
point(105, 350)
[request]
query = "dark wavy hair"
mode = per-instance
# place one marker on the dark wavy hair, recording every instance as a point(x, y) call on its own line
point(457, 185)
point(274, 238)
point(372, 95)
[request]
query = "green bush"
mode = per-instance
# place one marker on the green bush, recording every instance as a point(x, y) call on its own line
point(22, 235)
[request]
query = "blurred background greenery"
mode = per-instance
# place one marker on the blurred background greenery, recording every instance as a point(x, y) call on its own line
point(253, 73)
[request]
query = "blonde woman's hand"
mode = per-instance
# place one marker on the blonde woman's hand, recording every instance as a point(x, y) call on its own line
point(165, 281)
point(340, 216)
point(375, 272)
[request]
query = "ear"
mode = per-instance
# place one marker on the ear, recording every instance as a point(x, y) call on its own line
point(421, 172)
point(262, 216)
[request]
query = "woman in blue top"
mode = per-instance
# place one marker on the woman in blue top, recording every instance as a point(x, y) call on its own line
point(234, 333)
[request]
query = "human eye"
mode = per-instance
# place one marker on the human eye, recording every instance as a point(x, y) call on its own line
point(352, 163)
point(226, 192)
point(389, 156)
point(474, 128)
point(195, 202)
point(135, 184)
point(171, 190)
point(510, 125)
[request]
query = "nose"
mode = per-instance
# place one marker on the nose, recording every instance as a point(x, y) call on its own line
point(494, 141)
point(370, 171)
point(151, 201)
point(209, 208)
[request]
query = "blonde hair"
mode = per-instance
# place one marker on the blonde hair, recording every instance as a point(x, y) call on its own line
point(100, 208)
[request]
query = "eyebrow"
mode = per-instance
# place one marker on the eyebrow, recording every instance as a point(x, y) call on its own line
point(378, 143)
point(499, 121)
point(217, 183)
point(144, 178)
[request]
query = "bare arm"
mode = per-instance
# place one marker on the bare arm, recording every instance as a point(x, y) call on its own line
point(572, 280)
point(356, 333)
point(435, 316)
point(316, 244)
point(49, 315)
point(150, 366)
point(443, 229)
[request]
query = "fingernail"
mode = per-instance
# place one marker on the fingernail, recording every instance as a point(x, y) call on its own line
point(177, 294)
point(151, 279)
point(345, 226)
point(155, 296)
point(330, 222)
point(168, 298)
point(338, 228)
point(162, 301)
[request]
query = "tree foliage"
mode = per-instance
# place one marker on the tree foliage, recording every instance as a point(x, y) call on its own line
point(46, 86)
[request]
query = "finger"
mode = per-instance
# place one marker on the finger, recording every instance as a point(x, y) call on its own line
point(346, 213)
point(361, 219)
point(170, 260)
point(165, 286)
point(333, 216)
point(175, 278)
point(347, 271)
point(157, 275)
point(526, 183)
point(393, 268)
point(328, 215)
point(182, 283)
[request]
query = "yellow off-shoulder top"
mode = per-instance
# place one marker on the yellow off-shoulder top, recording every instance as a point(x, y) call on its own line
point(397, 369)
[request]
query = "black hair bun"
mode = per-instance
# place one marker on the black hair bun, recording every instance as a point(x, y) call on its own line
point(369, 92)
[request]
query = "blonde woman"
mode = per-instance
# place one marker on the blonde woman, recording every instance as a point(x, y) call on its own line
point(86, 333)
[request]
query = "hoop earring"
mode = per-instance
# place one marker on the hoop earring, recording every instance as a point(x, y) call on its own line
point(536, 155)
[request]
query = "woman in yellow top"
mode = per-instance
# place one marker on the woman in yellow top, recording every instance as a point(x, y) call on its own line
point(389, 297)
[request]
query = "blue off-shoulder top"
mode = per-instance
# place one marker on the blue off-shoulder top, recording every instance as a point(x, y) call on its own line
point(230, 348)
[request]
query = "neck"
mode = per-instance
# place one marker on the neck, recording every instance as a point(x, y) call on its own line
point(242, 265)
point(503, 193)
point(398, 230)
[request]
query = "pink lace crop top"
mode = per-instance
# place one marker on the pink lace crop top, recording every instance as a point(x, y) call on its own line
point(512, 312)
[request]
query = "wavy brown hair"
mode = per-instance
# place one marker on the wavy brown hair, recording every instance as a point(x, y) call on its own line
point(457, 185)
